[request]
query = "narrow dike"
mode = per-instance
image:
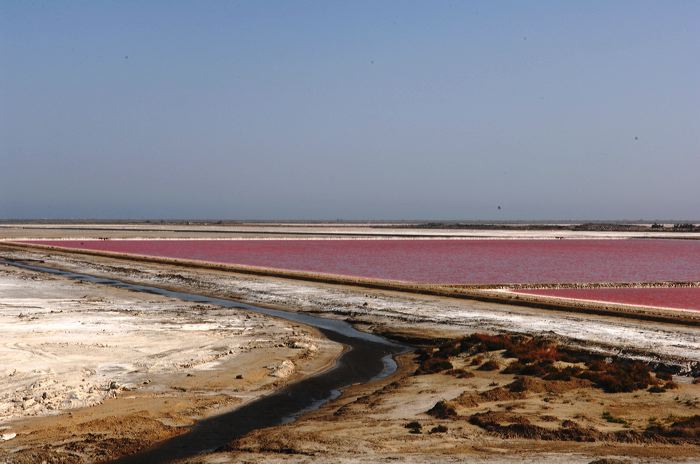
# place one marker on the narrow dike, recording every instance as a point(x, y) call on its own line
point(367, 357)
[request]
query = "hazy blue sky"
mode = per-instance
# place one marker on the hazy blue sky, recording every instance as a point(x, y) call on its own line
point(300, 109)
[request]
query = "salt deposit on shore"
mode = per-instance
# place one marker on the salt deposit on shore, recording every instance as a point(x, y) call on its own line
point(679, 344)
point(67, 344)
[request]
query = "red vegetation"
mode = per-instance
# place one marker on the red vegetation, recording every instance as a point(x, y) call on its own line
point(538, 357)
point(618, 376)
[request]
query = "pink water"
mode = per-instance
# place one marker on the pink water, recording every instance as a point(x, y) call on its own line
point(680, 297)
point(440, 261)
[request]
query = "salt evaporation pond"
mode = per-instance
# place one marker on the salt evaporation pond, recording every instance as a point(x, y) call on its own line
point(439, 261)
point(674, 297)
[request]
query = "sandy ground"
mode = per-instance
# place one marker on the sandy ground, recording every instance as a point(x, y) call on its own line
point(68, 345)
point(369, 423)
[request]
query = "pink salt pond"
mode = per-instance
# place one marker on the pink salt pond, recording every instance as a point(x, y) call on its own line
point(441, 261)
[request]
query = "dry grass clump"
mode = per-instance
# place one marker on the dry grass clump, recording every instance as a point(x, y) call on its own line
point(414, 427)
point(513, 426)
point(507, 425)
point(460, 373)
point(688, 427)
point(526, 349)
point(609, 461)
point(618, 376)
point(663, 388)
point(543, 369)
point(438, 429)
point(443, 410)
point(542, 357)
point(541, 366)
point(490, 365)
point(434, 365)
point(612, 419)
point(537, 357)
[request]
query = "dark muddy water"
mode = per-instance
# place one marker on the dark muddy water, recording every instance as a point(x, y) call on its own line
point(368, 357)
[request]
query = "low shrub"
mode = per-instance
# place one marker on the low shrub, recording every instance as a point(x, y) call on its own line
point(484, 342)
point(460, 373)
point(612, 419)
point(438, 429)
point(414, 427)
point(448, 349)
point(443, 410)
point(434, 365)
point(565, 374)
point(536, 356)
point(518, 385)
point(534, 369)
point(618, 377)
point(687, 428)
point(489, 365)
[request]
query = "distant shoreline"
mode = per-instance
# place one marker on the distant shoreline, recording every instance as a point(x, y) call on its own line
point(639, 225)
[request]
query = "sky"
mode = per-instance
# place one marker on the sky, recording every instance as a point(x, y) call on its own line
point(350, 110)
